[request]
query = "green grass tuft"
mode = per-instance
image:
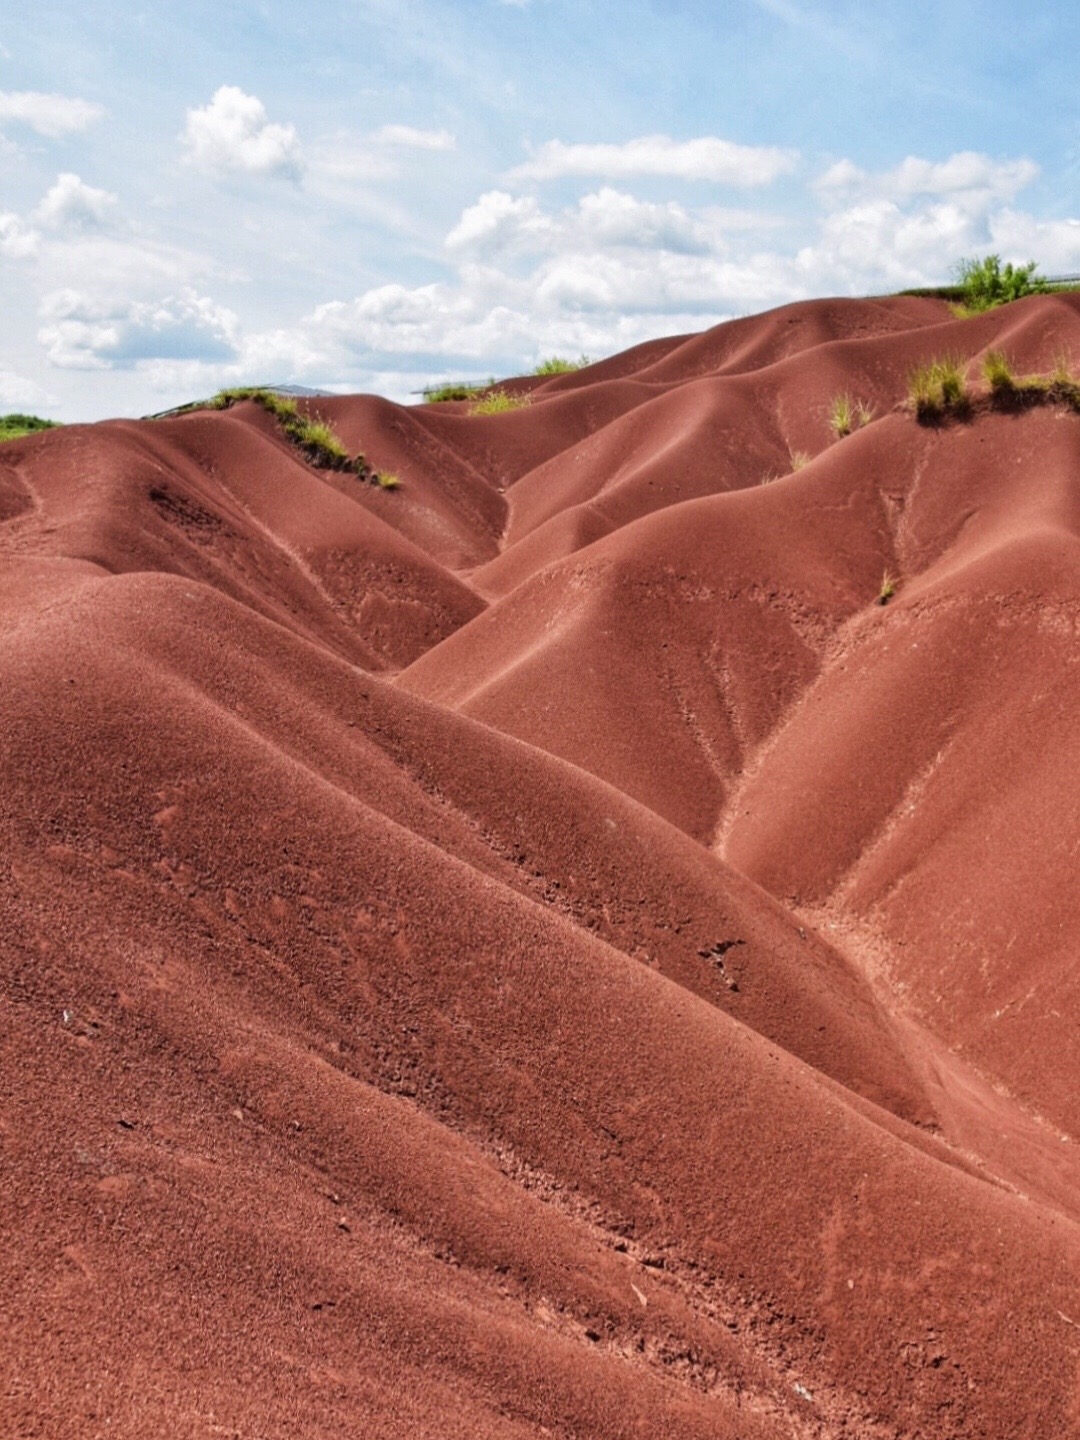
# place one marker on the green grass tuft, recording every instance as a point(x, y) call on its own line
point(317, 437)
point(998, 374)
point(888, 588)
point(846, 414)
point(937, 389)
point(497, 402)
point(15, 426)
point(841, 415)
point(387, 480)
point(557, 365)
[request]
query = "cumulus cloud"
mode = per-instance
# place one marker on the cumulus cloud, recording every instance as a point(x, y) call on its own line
point(50, 115)
point(966, 178)
point(1055, 242)
point(497, 220)
point(431, 328)
point(707, 158)
point(18, 241)
point(86, 332)
point(606, 218)
point(233, 135)
point(73, 205)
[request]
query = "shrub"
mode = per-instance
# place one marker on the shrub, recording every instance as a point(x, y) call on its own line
point(937, 389)
point(13, 427)
point(497, 402)
point(987, 283)
point(556, 365)
point(454, 390)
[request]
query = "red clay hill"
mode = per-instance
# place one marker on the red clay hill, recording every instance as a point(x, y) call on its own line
point(541, 951)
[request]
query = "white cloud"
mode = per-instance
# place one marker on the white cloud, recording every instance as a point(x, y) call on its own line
point(19, 393)
point(86, 332)
point(877, 244)
point(234, 135)
point(1019, 237)
point(48, 115)
point(410, 138)
point(73, 205)
point(967, 178)
point(612, 218)
point(607, 218)
point(498, 219)
point(18, 241)
point(706, 158)
point(483, 322)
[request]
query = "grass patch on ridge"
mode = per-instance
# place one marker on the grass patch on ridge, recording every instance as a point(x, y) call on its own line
point(498, 402)
point(316, 439)
point(15, 426)
point(558, 365)
point(452, 390)
point(937, 389)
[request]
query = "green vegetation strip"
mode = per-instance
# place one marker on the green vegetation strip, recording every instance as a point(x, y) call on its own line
point(14, 427)
point(315, 439)
point(938, 391)
point(497, 402)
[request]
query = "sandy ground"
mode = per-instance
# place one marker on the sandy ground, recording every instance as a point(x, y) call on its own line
point(541, 951)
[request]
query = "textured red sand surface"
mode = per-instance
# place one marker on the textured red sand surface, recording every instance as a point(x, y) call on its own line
point(540, 952)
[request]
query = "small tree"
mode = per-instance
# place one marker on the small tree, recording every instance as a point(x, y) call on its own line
point(987, 282)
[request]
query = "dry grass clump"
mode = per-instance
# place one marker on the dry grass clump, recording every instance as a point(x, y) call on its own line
point(997, 372)
point(387, 480)
point(847, 414)
point(888, 588)
point(497, 402)
point(937, 390)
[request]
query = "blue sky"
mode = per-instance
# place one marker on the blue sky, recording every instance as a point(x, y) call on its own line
point(372, 195)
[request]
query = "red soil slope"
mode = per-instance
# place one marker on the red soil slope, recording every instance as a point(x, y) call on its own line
point(540, 952)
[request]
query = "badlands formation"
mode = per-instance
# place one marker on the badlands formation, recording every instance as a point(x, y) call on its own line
point(543, 951)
